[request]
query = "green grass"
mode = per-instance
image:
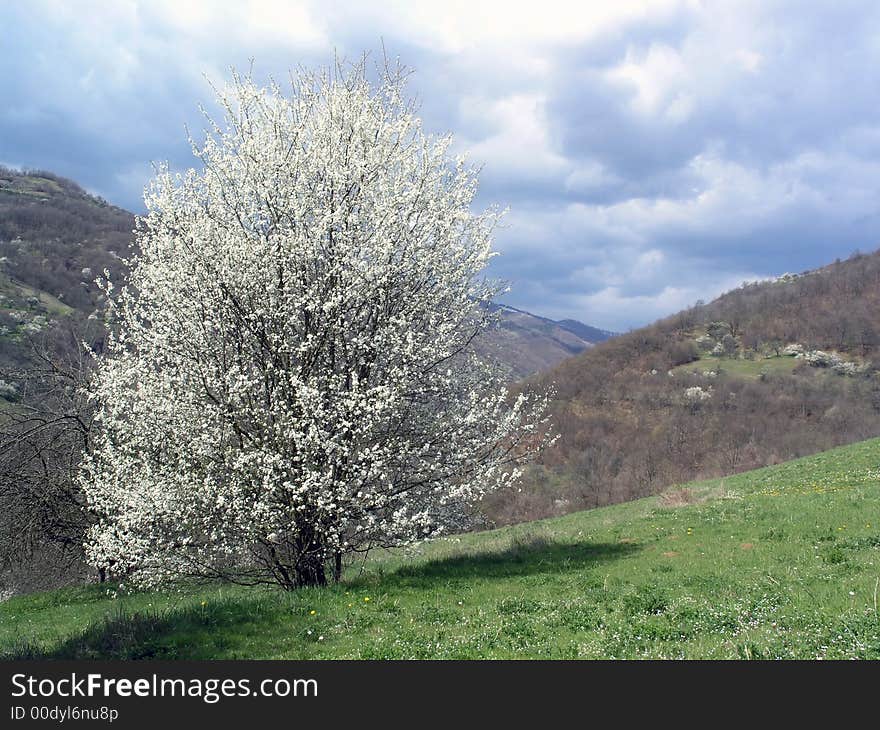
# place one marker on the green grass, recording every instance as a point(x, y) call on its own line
point(32, 185)
point(17, 292)
point(783, 562)
point(741, 367)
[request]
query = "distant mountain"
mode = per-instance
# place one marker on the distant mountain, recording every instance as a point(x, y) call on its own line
point(585, 331)
point(529, 343)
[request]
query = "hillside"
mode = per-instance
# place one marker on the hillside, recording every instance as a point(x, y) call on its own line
point(530, 344)
point(771, 371)
point(775, 563)
point(55, 239)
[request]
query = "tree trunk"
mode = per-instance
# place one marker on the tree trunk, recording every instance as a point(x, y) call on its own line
point(337, 567)
point(310, 570)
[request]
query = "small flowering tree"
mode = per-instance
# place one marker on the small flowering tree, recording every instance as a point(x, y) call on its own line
point(292, 375)
point(696, 394)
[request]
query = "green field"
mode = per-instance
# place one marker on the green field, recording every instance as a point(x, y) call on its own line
point(783, 562)
point(741, 367)
point(14, 292)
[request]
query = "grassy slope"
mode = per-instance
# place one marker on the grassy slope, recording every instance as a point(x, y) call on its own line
point(741, 367)
point(779, 562)
point(14, 291)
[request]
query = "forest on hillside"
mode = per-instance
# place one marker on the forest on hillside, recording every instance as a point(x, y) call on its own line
point(57, 238)
point(765, 373)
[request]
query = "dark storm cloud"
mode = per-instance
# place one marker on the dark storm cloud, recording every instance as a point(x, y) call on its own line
point(651, 153)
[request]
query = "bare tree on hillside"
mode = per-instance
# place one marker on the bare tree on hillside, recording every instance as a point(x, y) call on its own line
point(43, 436)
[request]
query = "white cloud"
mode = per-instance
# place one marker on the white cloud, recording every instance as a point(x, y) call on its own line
point(748, 59)
point(457, 26)
point(656, 77)
point(243, 22)
point(612, 307)
point(652, 153)
point(518, 144)
point(590, 176)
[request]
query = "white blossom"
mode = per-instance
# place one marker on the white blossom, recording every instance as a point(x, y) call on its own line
point(292, 374)
point(705, 342)
point(696, 394)
point(8, 390)
point(833, 361)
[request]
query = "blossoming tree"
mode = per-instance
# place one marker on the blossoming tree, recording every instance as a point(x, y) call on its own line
point(292, 376)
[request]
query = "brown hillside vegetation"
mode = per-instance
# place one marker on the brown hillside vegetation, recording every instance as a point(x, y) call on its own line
point(57, 238)
point(529, 344)
point(763, 374)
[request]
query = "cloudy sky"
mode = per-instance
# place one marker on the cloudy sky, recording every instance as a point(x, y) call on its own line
point(651, 153)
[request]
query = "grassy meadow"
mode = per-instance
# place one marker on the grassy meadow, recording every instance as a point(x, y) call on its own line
point(741, 367)
point(782, 562)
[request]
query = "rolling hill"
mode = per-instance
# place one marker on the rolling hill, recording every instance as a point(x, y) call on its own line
point(768, 372)
point(775, 563)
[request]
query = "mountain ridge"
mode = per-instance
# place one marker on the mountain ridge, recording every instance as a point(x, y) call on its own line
point(530, 343)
